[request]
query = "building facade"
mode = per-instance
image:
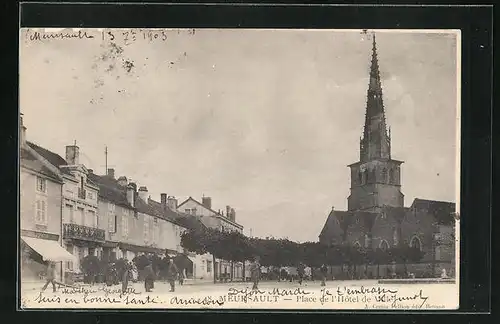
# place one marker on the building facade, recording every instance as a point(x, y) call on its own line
point(80, 219)
point(220, 221)
point(376, 216)
point(41, 199)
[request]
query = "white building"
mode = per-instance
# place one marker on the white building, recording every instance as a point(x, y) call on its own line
point(220, 221)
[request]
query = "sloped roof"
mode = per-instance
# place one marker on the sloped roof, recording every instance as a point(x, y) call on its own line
point(28, 160)
point(397, 213)
point(441, 210)
point(217, 214)
point(110, 190)
point(53, 158)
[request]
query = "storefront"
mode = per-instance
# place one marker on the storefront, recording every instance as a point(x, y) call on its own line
point(36, 251)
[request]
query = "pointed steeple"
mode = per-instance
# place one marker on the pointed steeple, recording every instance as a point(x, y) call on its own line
point(375, 143)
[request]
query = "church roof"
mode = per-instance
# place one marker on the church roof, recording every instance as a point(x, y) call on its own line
point(442, 211)
point(338, 221)
point(375, 143)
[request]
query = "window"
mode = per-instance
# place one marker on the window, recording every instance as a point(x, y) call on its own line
point(91, 219)
point(209, 266)
point(41, 212)
point(384, 245)
point(384, 175)
point(125, 223)
point(111, 218)
point(41, 184)
point(81, 216)
point(415, 243)
point(69, 214)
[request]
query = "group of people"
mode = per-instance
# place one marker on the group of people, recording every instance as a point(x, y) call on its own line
point(150, 275)
point(301, 271)
point(129, 273)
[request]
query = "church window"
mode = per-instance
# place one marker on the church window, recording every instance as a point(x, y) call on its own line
point(391, 176)
point(384, 175)
point(384, 246)
point(365, 174)
point(416, 243)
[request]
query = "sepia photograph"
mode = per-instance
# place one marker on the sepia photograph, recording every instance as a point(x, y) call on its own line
point(293, 169)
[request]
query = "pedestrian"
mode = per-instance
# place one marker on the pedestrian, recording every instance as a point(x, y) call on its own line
point(255, 273)
point(181, 277)
point(125, 276)
point(324, 271)
point(51, 276)
point(301, 271)
point(172, 273)
point(149, 277)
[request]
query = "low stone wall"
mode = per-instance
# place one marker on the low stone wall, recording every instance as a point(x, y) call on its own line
point(419, 270)
point(416, 281)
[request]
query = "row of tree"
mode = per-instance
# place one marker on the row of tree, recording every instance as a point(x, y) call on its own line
point(234, 246)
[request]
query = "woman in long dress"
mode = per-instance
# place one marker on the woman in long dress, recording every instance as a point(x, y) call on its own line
point(149, 282)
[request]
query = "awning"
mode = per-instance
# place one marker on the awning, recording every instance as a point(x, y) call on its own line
point(49, 250)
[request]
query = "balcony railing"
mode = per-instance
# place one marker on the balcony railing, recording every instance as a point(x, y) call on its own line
point(81, 232)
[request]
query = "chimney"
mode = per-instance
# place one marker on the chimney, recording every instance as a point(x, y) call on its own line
point(111, 173)
point(233, 214)
point(143, 193)
point(172, 203)
point(207, 202)
point(72, 155)
point(228, 211)
point(164, 200)
point(22, 129)
point(122, 181)
point(131, 194)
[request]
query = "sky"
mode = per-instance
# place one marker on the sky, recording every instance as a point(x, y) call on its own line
point(265, 121)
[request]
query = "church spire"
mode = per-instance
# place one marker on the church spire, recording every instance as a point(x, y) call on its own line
point(375, 143)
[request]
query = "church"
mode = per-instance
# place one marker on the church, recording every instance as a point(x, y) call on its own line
point(376, 215)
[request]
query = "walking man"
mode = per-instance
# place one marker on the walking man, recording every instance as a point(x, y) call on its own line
point(255, 273)
point(172, 273)
point(126, 274)
point(323, 271)
point(149, 276)
point(301, 271)
point(51, 276)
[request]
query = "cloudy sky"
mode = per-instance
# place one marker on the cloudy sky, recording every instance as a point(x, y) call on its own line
point(265, 121)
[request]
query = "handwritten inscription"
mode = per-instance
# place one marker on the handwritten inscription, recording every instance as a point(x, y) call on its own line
point(38, 36)
point(126, 36)
point(330, 298)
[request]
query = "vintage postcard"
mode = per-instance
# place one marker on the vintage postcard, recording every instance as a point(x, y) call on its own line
point(239, 168)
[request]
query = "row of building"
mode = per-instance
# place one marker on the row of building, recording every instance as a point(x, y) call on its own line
point(68, 212)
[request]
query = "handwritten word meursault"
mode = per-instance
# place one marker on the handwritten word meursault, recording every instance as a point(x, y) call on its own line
point(37, 36)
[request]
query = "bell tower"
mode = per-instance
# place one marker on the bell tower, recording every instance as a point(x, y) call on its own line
point(376, 177)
